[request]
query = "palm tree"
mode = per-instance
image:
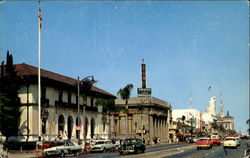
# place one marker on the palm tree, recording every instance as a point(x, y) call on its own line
point(85, 86)
point(248, 122)
point(125, 93)
point(215, 126)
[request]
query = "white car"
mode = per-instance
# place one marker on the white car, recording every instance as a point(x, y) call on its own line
point(238, 141)
point(102, 146)
point(230, 142)
point(63, 148)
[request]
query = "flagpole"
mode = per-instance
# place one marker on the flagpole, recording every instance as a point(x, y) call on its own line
point(39, 72)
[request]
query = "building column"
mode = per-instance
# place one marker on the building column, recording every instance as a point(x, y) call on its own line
point(151, 128)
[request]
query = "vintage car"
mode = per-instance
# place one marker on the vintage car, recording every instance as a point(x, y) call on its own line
point(62, 148)
point(204, 143)
point(230, 142)
point(216, 139)
point(102, 146)
point(238, 141)
point(132, 145)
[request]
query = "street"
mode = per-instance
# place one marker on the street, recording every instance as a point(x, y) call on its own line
point(184, 152)
point(163, 151)
point(216, 152)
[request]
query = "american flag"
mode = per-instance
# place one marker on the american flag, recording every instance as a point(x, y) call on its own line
point(209, 88)
point(40, 16)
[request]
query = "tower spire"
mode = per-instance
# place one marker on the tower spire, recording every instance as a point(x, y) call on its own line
point(191, 101)
point(143, 74)
point(221, 105)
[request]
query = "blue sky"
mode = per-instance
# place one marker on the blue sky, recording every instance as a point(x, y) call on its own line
point(187, 46)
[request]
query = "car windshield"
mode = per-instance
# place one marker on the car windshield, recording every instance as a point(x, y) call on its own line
point(130, 141)
point(58, 144)
point(230, 139)
point(203, 139)
point(100, 143)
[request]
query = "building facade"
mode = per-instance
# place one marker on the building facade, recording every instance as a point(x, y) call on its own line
point(61, 117)
point(148, 118)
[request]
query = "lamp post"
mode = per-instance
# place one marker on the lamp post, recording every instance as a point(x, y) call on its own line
point(78, 104)
point(146, 100)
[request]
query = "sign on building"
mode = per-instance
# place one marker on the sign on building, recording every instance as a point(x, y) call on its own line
point(143, 91)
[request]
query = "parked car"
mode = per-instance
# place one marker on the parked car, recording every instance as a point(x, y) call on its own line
point(193, 140)
point(238, 141)
point(132, 145)
point(62, 148)
point(230, 142)
point(216, 139)
point(204, 143)
point(102, 146)
point(3, 154)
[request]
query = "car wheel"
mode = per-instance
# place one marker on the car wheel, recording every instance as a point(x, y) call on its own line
point(62, 154)
point(198, 148)
point(137, 151)
point(121, 153)
point(76, 153)
point(143, 151)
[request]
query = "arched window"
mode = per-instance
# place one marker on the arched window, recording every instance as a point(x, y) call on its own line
point(70, 126)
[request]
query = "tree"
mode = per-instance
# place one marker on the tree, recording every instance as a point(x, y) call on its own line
point(192, 125)
point(85, 86)
point(215, 126)
point(125, 93)
point(9, 100)
point(248, 122)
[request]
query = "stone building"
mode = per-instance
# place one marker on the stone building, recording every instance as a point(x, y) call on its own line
point(148, 118)
point(59, 107)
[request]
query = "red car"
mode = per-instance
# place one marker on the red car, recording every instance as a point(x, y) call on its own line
point(216, 139)
point(204, 143)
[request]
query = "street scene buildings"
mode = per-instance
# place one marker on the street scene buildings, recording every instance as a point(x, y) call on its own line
point(146, 117)
point(79, 79)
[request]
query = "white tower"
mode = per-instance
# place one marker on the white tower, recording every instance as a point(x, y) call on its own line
point(212, 106)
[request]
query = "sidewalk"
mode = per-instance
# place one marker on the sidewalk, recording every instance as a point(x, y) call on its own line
point(24, 154)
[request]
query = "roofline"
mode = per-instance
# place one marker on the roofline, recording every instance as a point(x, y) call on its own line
point(51, 75)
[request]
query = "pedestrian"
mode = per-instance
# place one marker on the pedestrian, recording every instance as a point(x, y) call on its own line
point(225, 150)
point(148, 140)
point(113, 140)
point(143, 140)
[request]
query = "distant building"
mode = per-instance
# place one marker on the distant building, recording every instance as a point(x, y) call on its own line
point(226, 121)
point(59, 106)
point(188, 114)
point(211, 106)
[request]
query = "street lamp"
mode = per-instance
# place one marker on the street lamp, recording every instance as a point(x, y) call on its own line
point(78, 103)
point(146, 100)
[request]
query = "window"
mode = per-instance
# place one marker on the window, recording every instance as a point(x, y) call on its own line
point(44, 92)
point(44, 126)
point(92, 102)
point(76, 99)
point(60, 96)
point(130, 120)
point(69, 98)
